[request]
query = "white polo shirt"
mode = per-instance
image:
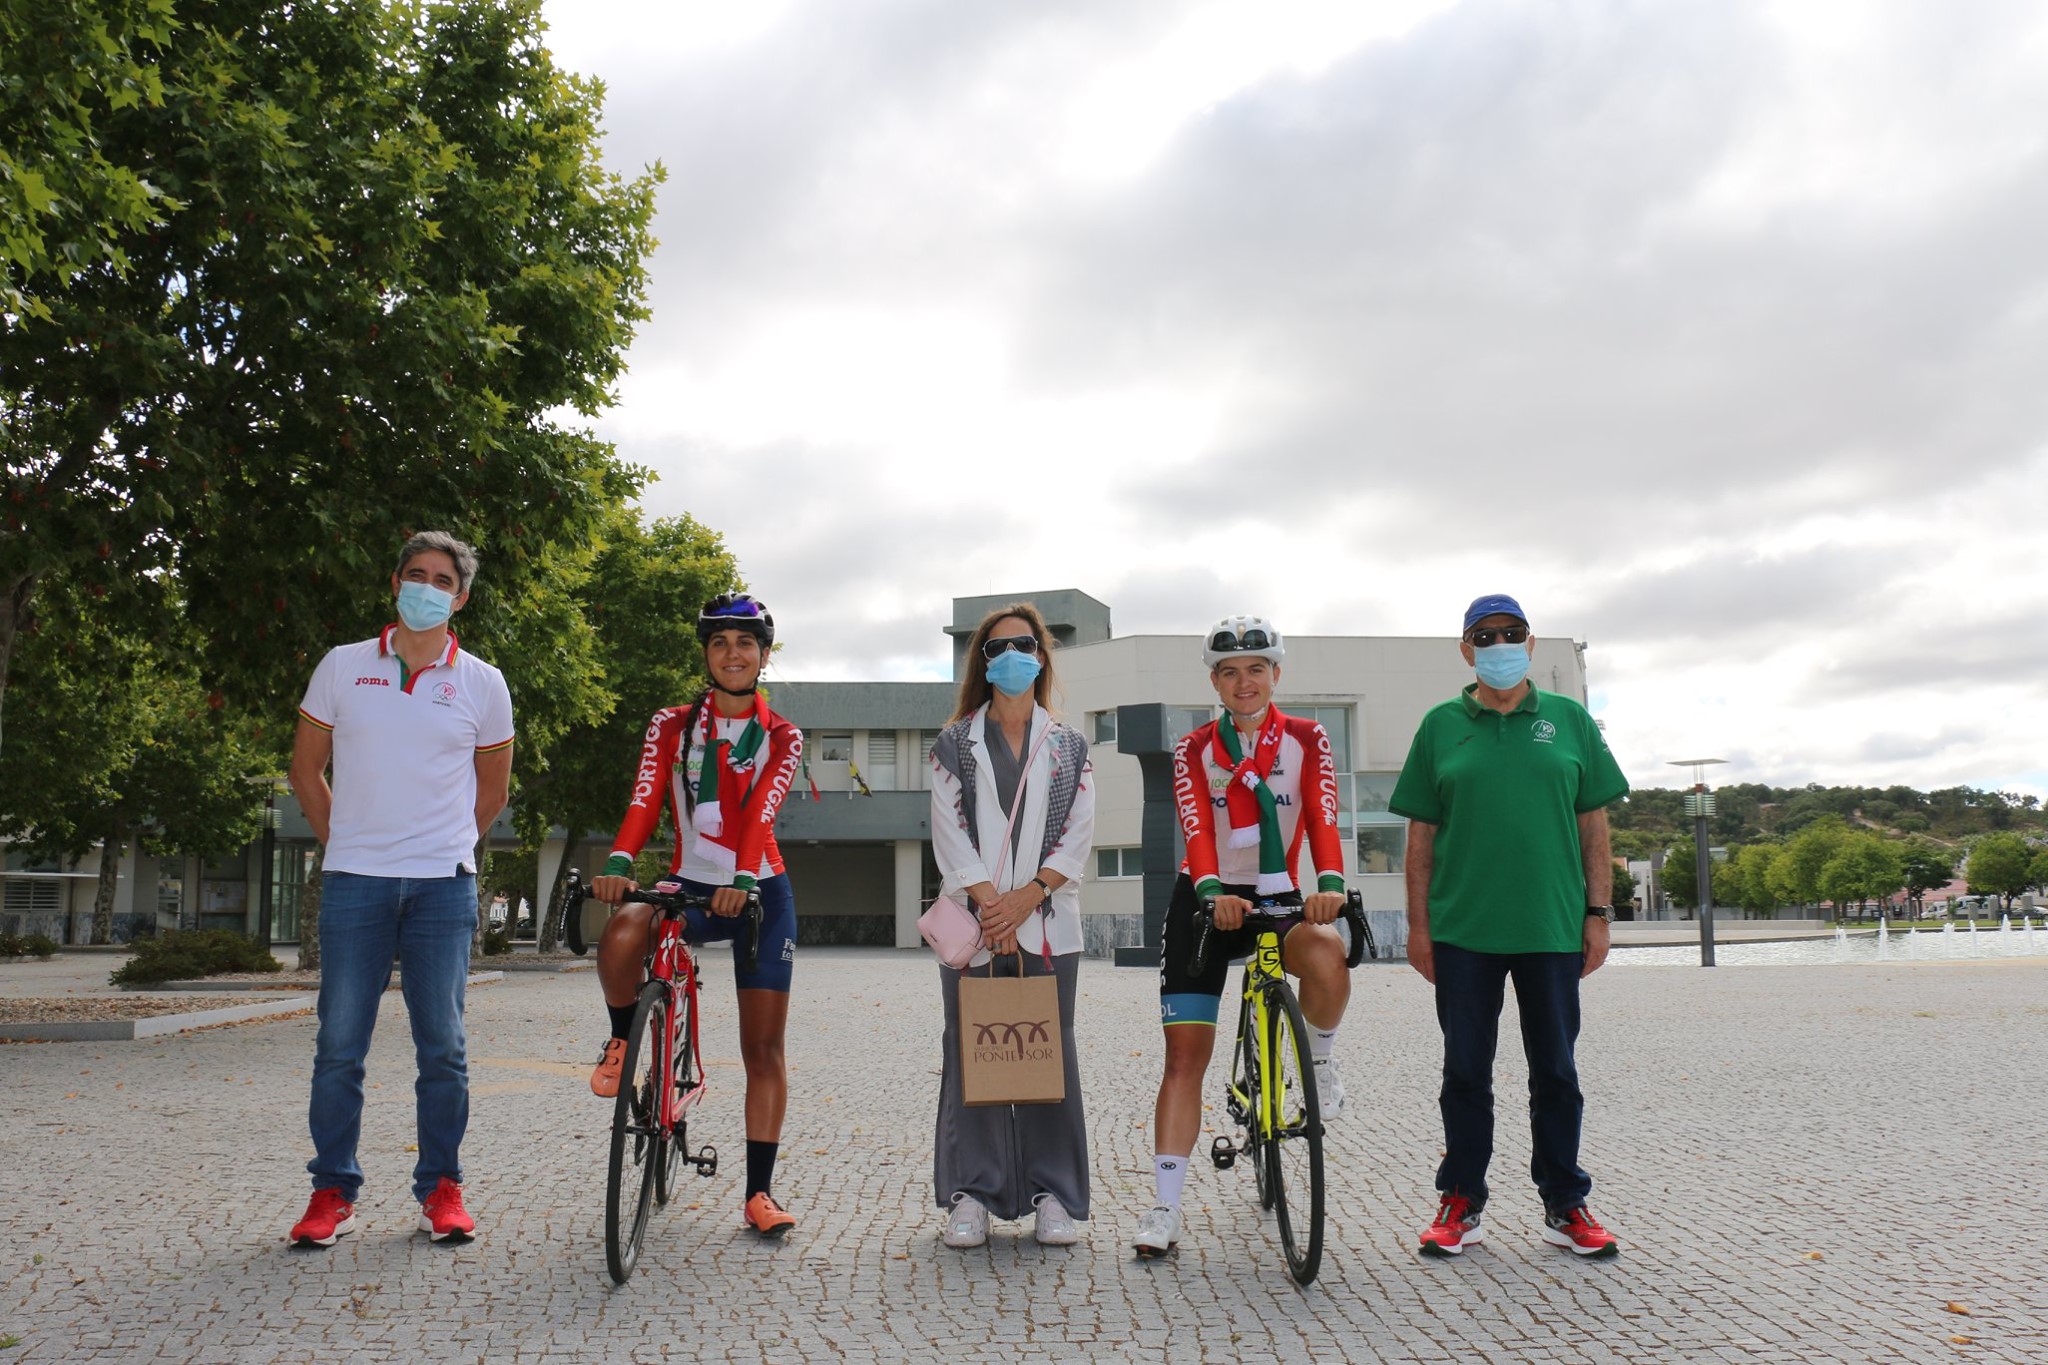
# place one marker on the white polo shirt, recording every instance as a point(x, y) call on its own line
point(405, 755)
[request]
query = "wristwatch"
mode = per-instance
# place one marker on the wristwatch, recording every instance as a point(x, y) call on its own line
point(1605, 912)
point(1040, 882)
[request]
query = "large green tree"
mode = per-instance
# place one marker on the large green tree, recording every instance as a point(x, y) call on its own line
point(2000, 865)
point(1862, 868)
point(1925, 866)
point(120, 740)
point(385, 259)
point(1795, 876)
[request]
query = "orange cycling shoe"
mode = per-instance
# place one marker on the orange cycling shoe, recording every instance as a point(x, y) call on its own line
point(767, 1217)
point(604, 1077)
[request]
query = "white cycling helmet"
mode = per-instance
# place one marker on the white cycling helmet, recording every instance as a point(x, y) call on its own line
point(1242, 635)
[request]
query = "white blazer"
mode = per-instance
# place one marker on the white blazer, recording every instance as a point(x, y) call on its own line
point(961, 866)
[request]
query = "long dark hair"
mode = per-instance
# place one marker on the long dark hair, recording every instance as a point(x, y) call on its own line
point(975, 688)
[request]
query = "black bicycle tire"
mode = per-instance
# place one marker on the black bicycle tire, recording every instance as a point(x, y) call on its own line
point(626, 1225)
point(678, 1140)
point(1287, 1022)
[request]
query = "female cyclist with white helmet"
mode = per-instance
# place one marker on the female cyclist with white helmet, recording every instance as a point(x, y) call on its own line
point(723, 764)
point(1249, 787)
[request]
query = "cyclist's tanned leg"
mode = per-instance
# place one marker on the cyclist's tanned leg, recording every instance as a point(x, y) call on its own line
point(1177, 1118)
point(622, 954)
point(764, 1018)
point(1315, 954)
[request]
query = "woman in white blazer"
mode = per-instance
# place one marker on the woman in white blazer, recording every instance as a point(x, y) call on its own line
point(1004, 754)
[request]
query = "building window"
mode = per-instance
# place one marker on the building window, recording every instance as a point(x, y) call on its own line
point(1114, 863)
point(34, 896)
point(925, 740)
point(1102, 727)
point(1182, 721)
point(881, 769)
point(835, 748)
point(1382, 835)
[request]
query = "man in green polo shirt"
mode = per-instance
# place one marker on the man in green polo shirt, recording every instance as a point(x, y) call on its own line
point(1509, 875)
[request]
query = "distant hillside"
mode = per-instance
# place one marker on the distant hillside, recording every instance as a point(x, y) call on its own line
point(1748, 811)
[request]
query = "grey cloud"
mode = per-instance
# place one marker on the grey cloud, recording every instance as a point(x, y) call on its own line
point(1740, 595)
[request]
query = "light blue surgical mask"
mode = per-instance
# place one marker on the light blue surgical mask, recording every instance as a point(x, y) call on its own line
point(422, 606)
point(1502, 666)
point(1013, 673)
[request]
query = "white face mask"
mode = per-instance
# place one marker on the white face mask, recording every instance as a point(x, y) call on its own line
point(422, 606)
point(1501, 666)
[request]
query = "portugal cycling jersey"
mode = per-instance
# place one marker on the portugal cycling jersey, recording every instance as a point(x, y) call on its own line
point(725, 819)
point(1302, 779)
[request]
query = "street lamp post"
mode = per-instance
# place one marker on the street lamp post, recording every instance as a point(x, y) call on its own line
point(270, 782)
point(1699, 804)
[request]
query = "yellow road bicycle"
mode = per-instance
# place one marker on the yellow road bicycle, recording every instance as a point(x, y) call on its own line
point(1272, 1091)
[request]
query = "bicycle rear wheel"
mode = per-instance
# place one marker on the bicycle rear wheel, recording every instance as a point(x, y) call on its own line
point(639, 1147)
point(683, 1069)
point(1293, 1148)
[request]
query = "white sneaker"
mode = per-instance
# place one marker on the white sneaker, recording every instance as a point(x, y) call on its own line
point(1158, 1232)
point(1053, 1225)
point(1329, 1087)
point(967, 1224)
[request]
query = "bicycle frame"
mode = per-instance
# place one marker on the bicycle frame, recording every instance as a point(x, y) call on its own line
point(671, 963)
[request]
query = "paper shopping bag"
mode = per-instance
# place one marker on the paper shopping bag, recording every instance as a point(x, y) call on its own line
point(1010, 1044)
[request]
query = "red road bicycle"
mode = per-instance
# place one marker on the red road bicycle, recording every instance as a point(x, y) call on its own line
point(663, 1075)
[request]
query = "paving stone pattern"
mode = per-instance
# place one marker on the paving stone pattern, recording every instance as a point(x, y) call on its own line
point(1805, 1164)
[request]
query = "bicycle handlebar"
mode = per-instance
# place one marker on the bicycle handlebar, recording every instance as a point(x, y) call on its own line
point(1273, 910)
point(672, 903)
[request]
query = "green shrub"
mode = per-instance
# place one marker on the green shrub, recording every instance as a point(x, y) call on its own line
point(183, 954)
point(27, 945)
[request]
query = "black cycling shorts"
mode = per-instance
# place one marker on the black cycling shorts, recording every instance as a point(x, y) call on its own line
point(1185, 998)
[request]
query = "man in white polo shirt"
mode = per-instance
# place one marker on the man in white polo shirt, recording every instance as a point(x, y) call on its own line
point(419, 735)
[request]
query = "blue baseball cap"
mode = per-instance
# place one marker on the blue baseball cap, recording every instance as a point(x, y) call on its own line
point(1493, 604)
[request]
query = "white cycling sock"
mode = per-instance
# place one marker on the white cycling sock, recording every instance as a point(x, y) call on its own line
point(1320, 1041)
point(1169, 1174)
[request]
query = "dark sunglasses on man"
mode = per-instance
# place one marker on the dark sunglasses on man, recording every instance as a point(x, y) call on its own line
point(1507, 635)
point(1223, 642)
point(994, 646)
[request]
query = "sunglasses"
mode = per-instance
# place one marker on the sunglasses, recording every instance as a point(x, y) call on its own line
point(1507, 635)
point(994, 646)
point(1223, 642)
point(741, 606)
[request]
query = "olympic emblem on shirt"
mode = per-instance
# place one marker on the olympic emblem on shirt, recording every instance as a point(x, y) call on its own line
point(1543, 732)
point(444, 694)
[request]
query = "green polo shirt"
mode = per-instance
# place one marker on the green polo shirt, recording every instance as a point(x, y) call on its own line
point(1505, 793)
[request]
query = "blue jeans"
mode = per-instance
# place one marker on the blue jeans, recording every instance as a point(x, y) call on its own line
point(365, 922)
point(1470, 989)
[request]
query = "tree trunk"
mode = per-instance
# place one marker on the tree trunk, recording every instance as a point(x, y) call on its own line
point(483, 897)
point(110, 880)
point(309, 914)
point(545, 930)
point(13, 616)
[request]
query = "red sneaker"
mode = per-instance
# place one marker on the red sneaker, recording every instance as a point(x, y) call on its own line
point(604, 1077)
point(1456, 1227)
point(767, 1217)
point(328, 1217)
point(442, 1216)
point(1576, 1230)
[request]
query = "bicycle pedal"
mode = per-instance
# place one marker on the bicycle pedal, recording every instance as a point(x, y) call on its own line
point(1224, 1153)
point(706, 1161)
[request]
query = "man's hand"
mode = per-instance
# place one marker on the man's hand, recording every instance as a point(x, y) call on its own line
point(612, 890)
point(728, 901)
point(1322, 907)
point(1229, 912)
point(1422, 956)
point(1599, 934)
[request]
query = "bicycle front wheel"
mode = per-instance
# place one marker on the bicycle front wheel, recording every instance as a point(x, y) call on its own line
point(1291, 1113)
point(1242, 1099)
point(639, 1146)
point(682, 1071)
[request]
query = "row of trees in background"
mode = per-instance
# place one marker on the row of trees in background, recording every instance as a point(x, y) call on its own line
point(1829, 859)
point(280, 285)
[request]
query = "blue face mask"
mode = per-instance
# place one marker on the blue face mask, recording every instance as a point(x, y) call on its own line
point(422, 606)
point(1013, 673)
point(1502, 666)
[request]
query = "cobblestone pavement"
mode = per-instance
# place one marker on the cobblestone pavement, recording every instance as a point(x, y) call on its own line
point(1805, 1164)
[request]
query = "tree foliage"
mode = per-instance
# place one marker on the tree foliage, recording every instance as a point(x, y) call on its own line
point(2001, 865)
point(385, 257)
point(118, 737)
point(1862, 868)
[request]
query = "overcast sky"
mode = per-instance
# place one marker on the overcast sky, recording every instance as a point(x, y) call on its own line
point(1715, 331)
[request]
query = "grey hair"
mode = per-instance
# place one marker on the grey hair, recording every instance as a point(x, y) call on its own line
point(464, 557)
